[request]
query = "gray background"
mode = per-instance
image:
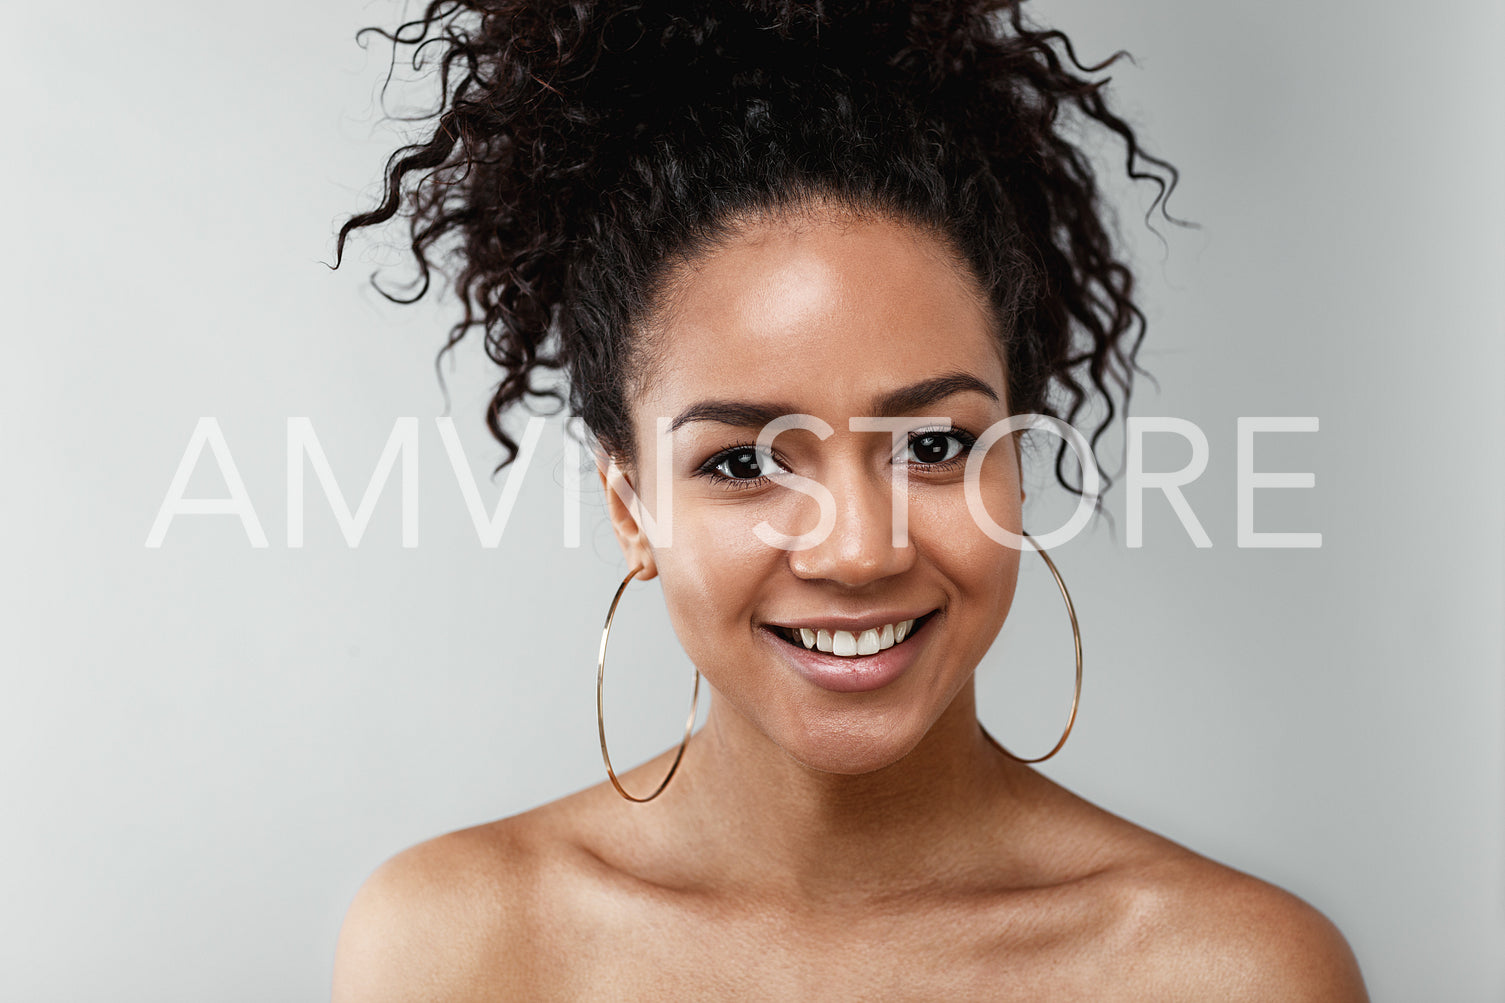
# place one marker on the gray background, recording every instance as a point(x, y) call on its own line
point(206, 747)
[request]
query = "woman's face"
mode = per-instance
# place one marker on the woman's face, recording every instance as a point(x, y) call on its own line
point(836, 318)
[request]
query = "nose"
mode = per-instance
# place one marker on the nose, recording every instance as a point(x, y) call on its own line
point(860, 548)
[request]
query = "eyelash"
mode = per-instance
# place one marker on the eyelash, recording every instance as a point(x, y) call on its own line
point(964, 439)
point(708, 469)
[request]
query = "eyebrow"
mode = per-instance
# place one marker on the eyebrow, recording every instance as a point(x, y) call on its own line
point(918, 396)
point(905, 400)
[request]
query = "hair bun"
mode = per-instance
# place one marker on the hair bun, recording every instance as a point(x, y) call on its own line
point(578, 149)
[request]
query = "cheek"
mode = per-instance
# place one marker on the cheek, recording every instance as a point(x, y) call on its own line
point(998, 485)
point(995, 567)
point(712, 577)
point(1003, 504)
point(983, 570)
point(957, 539)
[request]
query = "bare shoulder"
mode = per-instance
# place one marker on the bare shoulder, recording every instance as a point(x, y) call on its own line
point(1169, 924)
point(493, 912)
point(450, 918)
point(1196, 930)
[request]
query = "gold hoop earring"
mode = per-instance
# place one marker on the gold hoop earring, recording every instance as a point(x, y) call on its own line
point(1076, 635)
point(601, 710)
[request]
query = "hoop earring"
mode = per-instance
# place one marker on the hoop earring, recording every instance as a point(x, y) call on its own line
point(601, 711)
point(1076, 635)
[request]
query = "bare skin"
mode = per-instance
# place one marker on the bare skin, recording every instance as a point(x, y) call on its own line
point(818, 843)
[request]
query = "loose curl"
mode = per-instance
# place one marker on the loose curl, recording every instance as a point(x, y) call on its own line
point(579, 151)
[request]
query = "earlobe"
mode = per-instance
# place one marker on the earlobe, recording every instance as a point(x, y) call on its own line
point(621, 506)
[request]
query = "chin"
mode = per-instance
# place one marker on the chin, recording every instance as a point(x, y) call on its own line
point(853, 748)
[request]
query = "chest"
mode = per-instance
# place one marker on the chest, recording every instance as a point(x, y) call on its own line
point(665, 952)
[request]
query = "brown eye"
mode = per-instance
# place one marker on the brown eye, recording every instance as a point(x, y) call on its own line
point(934, 447)
point(745, 464)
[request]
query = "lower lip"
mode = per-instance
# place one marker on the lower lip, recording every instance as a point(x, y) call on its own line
point(857, 674)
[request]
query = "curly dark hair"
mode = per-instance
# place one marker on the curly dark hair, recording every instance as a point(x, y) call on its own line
point(580, 150)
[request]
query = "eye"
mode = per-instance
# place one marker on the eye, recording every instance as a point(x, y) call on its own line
point(744, 463)
point(930, 448)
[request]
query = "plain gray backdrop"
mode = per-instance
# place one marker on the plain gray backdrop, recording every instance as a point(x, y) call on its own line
point(207, 746)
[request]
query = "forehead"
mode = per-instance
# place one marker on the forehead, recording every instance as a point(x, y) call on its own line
point(823, 310)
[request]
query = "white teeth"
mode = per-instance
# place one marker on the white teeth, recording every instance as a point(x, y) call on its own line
point(849, 643)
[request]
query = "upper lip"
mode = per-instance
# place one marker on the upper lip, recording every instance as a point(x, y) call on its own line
point(851, 622)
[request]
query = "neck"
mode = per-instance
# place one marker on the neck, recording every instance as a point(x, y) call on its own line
point(771, 824)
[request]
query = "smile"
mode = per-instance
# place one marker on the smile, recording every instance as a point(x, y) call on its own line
point(851, 643)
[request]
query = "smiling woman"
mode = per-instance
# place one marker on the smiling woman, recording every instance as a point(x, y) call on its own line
point(775, 312)
point(796, 262)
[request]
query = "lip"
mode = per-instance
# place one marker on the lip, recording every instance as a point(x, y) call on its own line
point(859, 673)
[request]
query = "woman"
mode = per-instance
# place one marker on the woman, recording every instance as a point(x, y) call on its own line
point(796, 263)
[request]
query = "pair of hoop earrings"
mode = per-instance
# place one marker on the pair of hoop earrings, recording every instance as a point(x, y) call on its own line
point(1076, 636)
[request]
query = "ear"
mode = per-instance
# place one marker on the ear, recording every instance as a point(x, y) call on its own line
point(624, 520)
